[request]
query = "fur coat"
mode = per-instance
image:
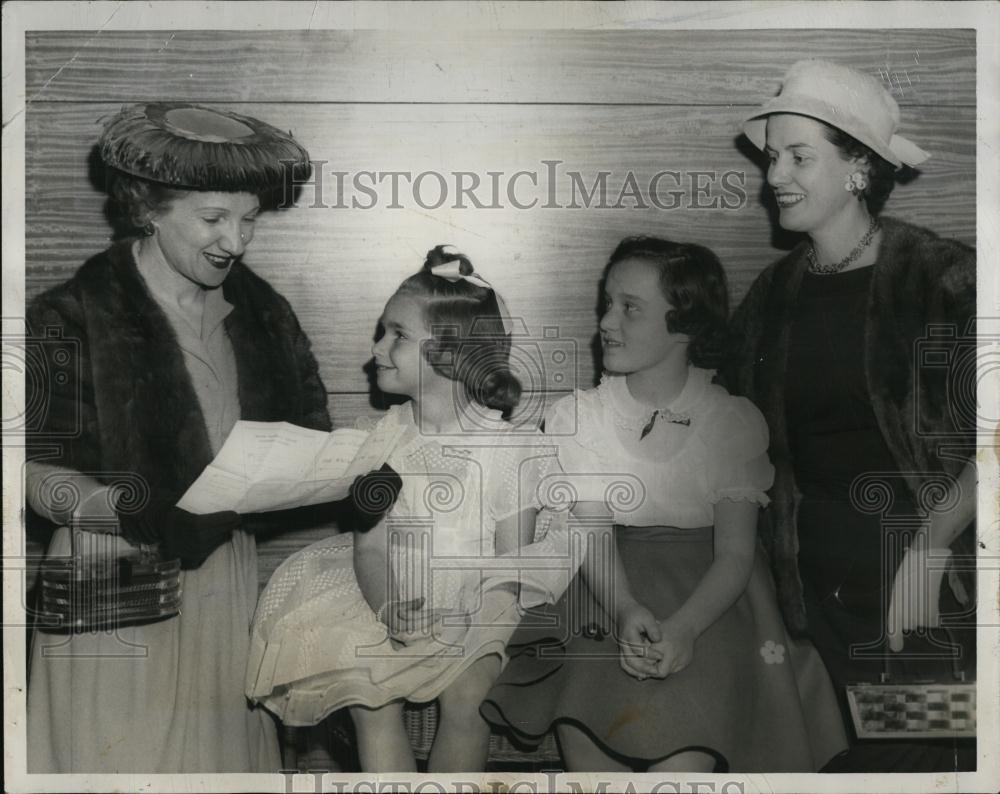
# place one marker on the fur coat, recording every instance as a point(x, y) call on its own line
point(920, 280)
point(122, 400)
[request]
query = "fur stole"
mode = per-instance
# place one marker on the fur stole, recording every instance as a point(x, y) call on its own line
point(128, 404)
point(922, 284)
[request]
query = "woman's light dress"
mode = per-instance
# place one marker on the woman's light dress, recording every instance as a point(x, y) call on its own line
point(162, 697)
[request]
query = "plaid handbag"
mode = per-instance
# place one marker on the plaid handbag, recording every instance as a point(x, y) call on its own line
point(894, 708)
point(106, 582)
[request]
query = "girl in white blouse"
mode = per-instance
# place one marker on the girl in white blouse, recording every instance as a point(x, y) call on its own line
point(687, 666)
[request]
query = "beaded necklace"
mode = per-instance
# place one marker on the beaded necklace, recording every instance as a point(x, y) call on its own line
point(836, 267)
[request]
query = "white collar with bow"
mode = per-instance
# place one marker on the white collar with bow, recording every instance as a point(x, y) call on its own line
point(635, 416)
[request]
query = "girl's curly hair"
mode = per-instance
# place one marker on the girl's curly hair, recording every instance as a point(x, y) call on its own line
point(694, 283)
point(469, 344)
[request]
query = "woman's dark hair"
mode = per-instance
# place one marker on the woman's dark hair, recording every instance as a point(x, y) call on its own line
point(469, 345)
point(134, 200)
point(694, 284)
point(881, 173)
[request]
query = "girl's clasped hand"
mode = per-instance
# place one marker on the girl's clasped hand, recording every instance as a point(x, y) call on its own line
point(651, 648)
point(638, 631)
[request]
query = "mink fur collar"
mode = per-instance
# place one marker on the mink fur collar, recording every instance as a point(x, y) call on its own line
point(139, 411)
point(919, 280)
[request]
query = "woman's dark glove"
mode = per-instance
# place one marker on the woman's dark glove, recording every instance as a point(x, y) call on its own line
point(142, 523)
point(372, 495)
point(182, 535)
point(191, 538)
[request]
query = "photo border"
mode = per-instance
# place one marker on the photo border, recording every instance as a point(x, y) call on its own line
point(19, 17)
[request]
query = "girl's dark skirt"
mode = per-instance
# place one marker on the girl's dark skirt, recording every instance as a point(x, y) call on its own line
point(752, 697)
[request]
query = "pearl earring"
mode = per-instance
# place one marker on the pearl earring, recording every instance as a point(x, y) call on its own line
point(855, 184)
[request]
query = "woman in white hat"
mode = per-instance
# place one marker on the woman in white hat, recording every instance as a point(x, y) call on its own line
point(831, 343)
point(170, 339)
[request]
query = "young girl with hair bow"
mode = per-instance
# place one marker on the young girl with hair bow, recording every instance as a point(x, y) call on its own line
point(409, 610)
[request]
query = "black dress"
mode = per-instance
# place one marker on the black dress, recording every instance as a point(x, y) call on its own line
point(849, 551)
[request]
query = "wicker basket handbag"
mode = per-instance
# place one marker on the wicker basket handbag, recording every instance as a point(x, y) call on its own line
point(894, 708)
point(106, 583)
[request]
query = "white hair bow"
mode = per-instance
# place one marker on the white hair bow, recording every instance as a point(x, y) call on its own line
point(452, 271)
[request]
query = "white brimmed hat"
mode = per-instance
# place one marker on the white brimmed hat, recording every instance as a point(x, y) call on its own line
point(845, 98)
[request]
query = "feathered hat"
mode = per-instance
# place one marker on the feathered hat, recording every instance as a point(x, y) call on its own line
point(196, 147)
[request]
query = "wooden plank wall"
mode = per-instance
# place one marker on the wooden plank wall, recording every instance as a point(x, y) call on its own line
point(483, 101)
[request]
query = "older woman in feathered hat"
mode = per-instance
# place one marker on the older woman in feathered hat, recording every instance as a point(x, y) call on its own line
point(831, 337)
point(176, 339)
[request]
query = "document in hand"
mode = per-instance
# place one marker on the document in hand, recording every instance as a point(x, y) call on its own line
point(267, 466)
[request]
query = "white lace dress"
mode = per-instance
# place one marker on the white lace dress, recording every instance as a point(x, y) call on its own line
point(316, 643)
